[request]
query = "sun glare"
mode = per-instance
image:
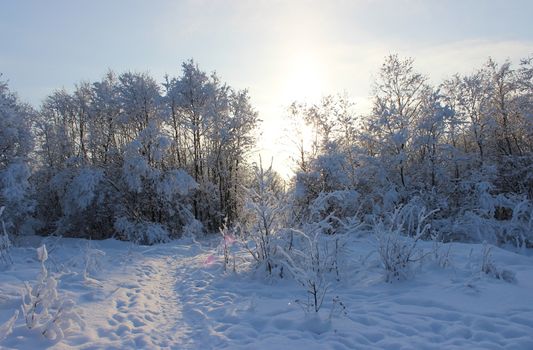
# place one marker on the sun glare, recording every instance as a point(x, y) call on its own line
point(303, 79)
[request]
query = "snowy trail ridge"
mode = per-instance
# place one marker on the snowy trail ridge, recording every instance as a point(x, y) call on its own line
point(146, 310)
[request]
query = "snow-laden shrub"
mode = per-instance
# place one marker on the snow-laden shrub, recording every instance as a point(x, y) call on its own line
point(193, 227)
point(44, 309)
point(310, 261)
point(141, 232)
point(7, 327)
point(342, 203)
point(473, 227)
point(414, 218)
point(507, 220)
point(81, 191)
point(489, 268)
point(267, 211)
point(5, 243)
point(15, 195)
point(441, 256)
point(227, 243)
point(175, 182)
point(155, 202)
point(16, 142)
point(84, 196)
point(136, 167)
point(397, 241)
point(520, 228)
point(91, 262)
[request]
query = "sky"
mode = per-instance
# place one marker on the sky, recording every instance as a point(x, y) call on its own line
point(280, 51)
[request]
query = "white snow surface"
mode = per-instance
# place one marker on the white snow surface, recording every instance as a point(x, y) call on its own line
point(177, 296)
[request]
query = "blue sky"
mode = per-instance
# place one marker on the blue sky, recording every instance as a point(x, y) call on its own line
point(279, 50)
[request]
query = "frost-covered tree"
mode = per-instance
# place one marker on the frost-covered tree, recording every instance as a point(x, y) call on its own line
point(267, 212)
point(16, 143)
point(115, 155)
point(213, 129)
point(397, 108)
point(462, 148)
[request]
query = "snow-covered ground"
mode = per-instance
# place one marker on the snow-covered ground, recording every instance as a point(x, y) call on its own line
point(178, 296)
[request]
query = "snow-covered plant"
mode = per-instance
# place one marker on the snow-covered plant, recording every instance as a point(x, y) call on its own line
point(521, 224)
point(228, 240)
point(330, 206)
point(62, 319)
point(338, 307)
point(5, 243)
point(7, 327)
point(82, 193)
point(16, 142)
point(489, 268)
point(44, 309)
point(38, 299)
point(141, 232)
point(440, 255)
point(91, 263)
point(309, 262)
point(398, 252)
point(267, 210)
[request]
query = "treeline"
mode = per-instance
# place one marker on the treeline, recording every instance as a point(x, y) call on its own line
point(127, 156)
point(131, 158)
point(463, 148)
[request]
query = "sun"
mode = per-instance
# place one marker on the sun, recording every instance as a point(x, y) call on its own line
point(303, 78)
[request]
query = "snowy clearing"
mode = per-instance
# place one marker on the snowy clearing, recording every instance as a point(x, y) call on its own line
point(177, 296)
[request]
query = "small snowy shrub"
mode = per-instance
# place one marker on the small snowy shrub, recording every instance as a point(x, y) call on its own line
point(343, 204)
point(5, 243)
point(44, 309)
point(309, 264)
point(7, 327)
point(440, 255)
point(267, 211)
point(489, 268)
point(141, 232)
point(520, 227)
point(228, 240)
point(91, 262)
point(397, 252)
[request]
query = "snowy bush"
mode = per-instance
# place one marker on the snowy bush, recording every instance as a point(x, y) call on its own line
point(82, 194)
point(16, 143)
point(309, 265)
point(43, 308)
point(91, 262)
point(5, 243)
point(336, 204)
point(155, 203)
point(440, 255)
point(489, 268)
point(397, 241)
point(267, 211)
point(141, 232)
point(227, 243)
point(397, 253)
point(7, 327)
point(314, 260)
point(507, 220)
point(519, 229)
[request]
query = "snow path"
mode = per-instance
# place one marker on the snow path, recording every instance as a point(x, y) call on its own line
point(145, 308)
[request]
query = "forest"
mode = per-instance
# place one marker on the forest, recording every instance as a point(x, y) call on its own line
point(145, 161)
